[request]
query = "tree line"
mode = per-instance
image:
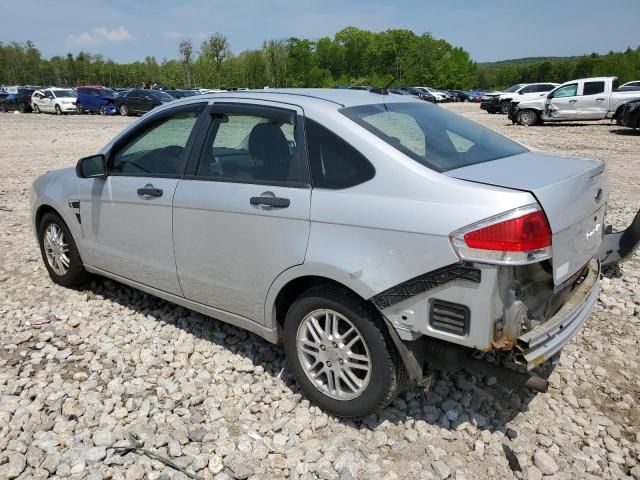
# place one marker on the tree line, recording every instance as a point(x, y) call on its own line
point(352, 57)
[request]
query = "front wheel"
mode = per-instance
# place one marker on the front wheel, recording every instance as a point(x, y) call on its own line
point(36, 108)
point(58, 110)
point(504, 108)
point(528, 117)
point(124, 111)
point(340, 352)
point(59, 252)
point(79, 107)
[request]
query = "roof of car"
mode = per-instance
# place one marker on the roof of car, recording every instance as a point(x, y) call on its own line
point(300, 96)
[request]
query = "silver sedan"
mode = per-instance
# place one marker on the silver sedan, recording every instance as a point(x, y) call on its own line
point(370, 234)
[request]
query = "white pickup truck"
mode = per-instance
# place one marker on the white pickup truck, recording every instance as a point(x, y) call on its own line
point(583, 99)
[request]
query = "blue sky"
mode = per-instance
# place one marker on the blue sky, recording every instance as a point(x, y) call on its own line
point(488, 30)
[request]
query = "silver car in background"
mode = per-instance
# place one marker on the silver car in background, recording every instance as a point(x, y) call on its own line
point(370, 234)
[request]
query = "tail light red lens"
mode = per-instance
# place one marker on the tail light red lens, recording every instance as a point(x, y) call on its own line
point(516, 237)
point(525, 233)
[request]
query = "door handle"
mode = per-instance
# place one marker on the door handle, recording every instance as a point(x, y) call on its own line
point(599, 99)
point(275, 202)
point(573, 101)
point(149, 191)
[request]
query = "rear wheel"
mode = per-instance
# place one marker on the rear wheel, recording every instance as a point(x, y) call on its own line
point(124, 110)
point(504, 108)
point(59, 252)
point(79, 107)
point(22, 108)
point(528, 117)
point(339, 350)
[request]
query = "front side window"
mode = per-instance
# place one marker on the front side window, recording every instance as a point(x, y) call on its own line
point(529, 89)
point(432, 136)
point(250, 148)
point(158, 149)
point(592, 88)
point(64, 94)
point(566, 91)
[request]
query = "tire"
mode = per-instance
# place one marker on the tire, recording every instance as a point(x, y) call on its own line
point(528, 117)
point(504, 108)
point(75, 273)
point(358, 322)
point(36, 108)
point(22, 108)
point(58, 110)
point(124, 110)
point(80, 108)
point(3, 108)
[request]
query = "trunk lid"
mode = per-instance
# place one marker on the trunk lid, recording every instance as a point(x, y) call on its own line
point(571, 191)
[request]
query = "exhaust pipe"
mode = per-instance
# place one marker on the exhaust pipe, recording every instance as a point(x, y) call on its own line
point(447, 355)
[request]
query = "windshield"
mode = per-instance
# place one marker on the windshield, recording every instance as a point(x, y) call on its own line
point(515, 87)
point(433, 136)
point(64, 93)
point(160, 95)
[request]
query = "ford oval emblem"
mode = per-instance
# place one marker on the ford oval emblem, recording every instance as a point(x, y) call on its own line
point(598, 195)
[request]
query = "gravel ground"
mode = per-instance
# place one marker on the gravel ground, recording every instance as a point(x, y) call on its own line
point(85, 370)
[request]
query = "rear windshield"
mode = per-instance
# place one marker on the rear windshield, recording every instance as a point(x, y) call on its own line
point(431, 135)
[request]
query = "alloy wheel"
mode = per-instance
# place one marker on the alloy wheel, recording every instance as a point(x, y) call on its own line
point(333, 354)
point(56, 249)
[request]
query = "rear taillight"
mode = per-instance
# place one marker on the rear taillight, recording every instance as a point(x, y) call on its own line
point(516, 237)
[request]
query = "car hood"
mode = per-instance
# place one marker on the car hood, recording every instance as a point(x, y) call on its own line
point(571, 191)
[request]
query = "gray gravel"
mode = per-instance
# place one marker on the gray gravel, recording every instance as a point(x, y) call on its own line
point(82, 371)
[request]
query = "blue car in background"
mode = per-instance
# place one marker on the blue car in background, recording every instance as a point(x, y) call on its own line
point(96, 99)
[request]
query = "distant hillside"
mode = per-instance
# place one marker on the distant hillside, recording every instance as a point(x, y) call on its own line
point(527, 60)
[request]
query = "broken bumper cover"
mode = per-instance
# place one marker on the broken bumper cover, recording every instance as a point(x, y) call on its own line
point(547, 339)
point(618, 247)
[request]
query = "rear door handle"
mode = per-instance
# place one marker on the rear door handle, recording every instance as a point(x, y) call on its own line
point(149, 191)
point(573, 101)
point(599, 99)
point(274, 202)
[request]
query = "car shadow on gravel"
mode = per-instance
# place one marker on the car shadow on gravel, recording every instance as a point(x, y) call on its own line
point(453, 400)
point(626, 132)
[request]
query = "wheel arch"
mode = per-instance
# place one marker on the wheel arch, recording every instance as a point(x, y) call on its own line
point(291, 284)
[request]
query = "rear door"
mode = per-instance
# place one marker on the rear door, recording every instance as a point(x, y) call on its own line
point(127, 221)
point(241, 215)
point(563, 103)
point(593, 103)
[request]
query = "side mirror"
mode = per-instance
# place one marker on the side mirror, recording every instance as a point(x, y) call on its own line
point(94, 166)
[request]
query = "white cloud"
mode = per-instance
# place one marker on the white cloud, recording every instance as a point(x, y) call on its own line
point(97, 36)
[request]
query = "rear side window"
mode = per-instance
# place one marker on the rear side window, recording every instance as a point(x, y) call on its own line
point(529, 89)
point(432, 136)
point(593, 88)
point(334, 163)
point(247, 148)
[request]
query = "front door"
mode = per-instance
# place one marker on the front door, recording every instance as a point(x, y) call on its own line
point(564, 103)
point(241, 215)
point(593, 101)
point(127, 225)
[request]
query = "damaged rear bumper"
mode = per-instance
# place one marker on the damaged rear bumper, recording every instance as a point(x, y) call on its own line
point(547, 339)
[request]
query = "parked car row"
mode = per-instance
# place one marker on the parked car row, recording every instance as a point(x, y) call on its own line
point(579, 100)
point(96, 99)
